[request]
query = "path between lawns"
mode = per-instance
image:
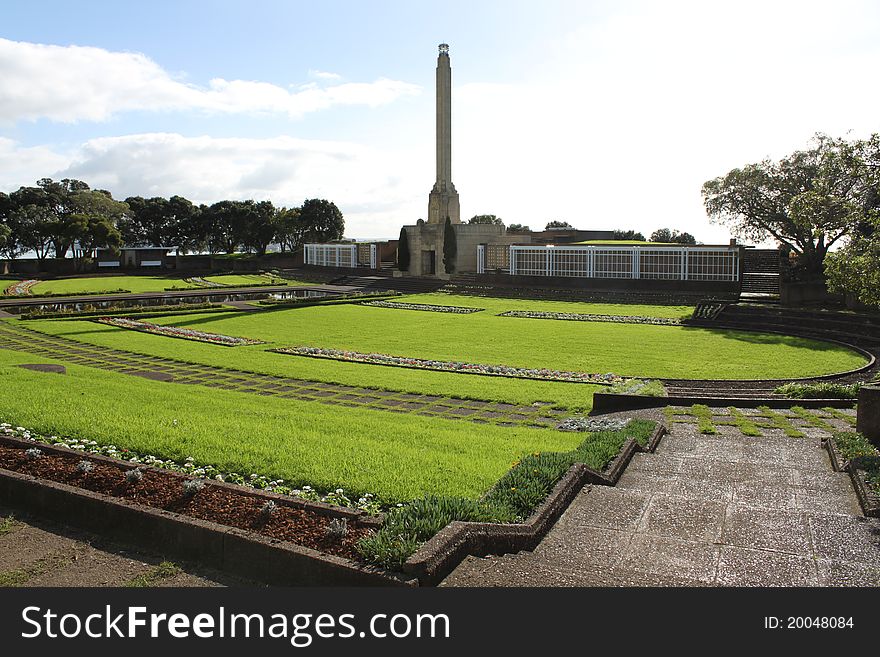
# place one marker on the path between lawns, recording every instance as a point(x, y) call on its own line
point(540, 414)
point(705, 510)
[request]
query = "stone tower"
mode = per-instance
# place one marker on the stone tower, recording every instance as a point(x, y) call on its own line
point(443, 199)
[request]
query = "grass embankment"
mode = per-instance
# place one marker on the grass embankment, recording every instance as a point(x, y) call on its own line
point(395, 456)
point(513, 498)
point(108, 284)
point(627, 349)
point(141, 284)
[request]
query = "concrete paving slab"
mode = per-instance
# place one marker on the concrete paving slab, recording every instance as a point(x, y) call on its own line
point(767, 529)
point(743, 567)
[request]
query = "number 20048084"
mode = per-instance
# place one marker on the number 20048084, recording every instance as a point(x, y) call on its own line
point(808, 622)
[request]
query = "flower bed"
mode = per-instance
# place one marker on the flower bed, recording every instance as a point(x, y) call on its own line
point(578, 423)
point(20, 288)
point(460, 310)
point(453, 366)
point(586, 317)
point(338, 497)
point(189, 497)
point(177, 332)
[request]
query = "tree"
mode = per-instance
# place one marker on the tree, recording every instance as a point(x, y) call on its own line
point(403, 250)
point(806, 201)
point(33, 226)
point(226, 223)
point(855, 269)
point(321, 221)
point(668, 236)
point(288, 229)
point(558, 224)
point(450, 247)
point(628, 236)
point(518, 228)
point(486, 219)
point(259, 231)
point(5, 234)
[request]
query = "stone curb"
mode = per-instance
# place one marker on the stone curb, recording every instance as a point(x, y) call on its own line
point(440, 555)
point(606, 402)
point(228, 549)
point(867, 499)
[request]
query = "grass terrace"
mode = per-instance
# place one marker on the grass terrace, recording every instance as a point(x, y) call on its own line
point(399, 456)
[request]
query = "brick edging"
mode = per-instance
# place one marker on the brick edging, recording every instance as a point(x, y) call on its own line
point(228, 549)
point(867, 499)
point(440, 555)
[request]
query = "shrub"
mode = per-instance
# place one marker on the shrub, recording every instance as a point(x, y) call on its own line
point(192, 486)
point(337, 529)
point(512, 498)
point(853, 445)
point(403, 251)
point(85, 466)
point(134, 476)
point(822, 390)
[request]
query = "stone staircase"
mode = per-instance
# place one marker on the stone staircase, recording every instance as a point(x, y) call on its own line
point(857, 329)
point(722, 510)
point(406, 285)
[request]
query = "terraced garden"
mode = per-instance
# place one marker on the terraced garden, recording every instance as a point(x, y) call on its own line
point(141, 284)
point(396, 432)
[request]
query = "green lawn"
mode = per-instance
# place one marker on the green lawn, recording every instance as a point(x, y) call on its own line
point(397, 457)
point(95, 284)
point(626, 349)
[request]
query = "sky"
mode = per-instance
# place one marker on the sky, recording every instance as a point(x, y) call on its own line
point(603, 114)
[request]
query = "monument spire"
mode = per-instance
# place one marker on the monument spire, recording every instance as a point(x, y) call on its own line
point(443, 199)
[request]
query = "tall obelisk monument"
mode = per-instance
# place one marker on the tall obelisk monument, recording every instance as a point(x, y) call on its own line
point(443, 200)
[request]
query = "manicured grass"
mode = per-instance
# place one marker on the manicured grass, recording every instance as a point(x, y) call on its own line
point(250, 280)
point(395, 456)
point(499, 305)
point(633, 350)
point(95, 284)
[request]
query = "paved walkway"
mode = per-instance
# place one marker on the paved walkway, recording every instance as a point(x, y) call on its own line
point(18, 338)
point(716, 510)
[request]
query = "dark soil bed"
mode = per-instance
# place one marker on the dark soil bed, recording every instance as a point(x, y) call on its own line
point(164, 490)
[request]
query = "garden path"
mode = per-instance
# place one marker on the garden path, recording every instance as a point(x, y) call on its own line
point(706, 510)
point(18, 338)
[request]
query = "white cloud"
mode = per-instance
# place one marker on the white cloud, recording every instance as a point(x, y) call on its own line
point(324, 75)
point(363, 182)
point(624, 122)
point(24, 166)
point(75, 83)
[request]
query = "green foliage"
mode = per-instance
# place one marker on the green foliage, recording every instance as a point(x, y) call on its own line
point(397, 457)
point(558, 224)
point(518, 228)
point(156, 574)
point(779, 421)
point(745, 424)
point(514, 497)
point(852, 445)
point(321, 221)
point(806, 201)
point(403, 256)
point(668, 236)
point(840, 415)
point(822, 390)
point(450, 247)
point(486, 219)
point(704, 419)
point(811, 418)
point(628, 236)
